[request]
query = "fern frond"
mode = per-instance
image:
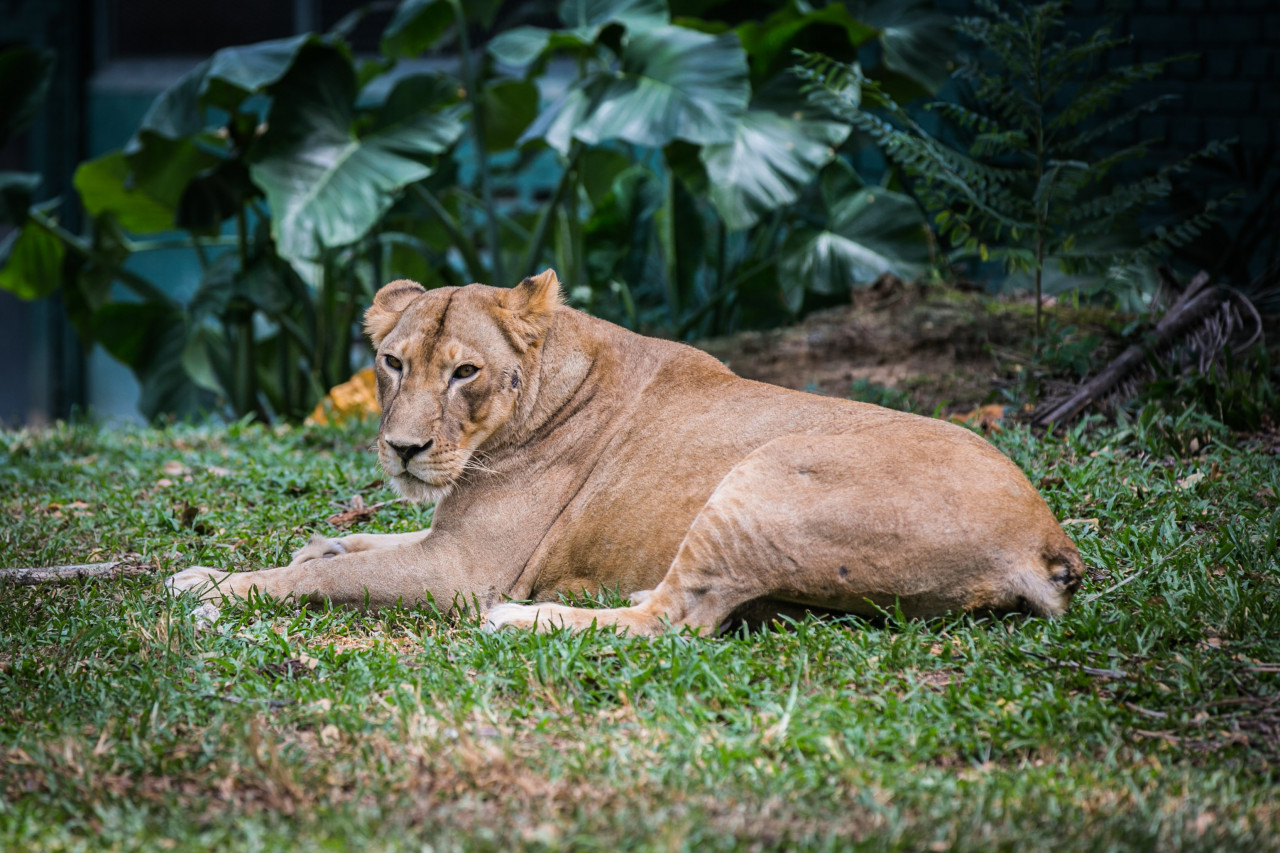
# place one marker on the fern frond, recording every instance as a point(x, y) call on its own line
point(1167, 239)
point(1097, 94)
point(964, 117)
point(1000, 144)
point(1064, 65)
point(1101, 130)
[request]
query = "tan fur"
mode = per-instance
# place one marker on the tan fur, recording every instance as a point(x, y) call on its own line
point(579, 456)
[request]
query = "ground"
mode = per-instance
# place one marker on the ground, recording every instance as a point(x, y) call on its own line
point(1147, 718)
point(933, 349)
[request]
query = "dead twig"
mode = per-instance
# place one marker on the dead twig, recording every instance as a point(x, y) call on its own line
point(1201, 326)
point(359, 511)
point(71, 573)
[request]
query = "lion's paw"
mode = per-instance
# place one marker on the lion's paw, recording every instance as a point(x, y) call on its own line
point(640, 596)
point(511, 616)
point(198, 579)
point(318, 548)
point(205, 616)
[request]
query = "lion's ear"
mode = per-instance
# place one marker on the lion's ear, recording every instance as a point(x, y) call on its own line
point(392, 299)
point(532, 303)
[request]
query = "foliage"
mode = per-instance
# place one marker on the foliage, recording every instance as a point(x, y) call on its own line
point(866, 391)
point(1144, 718)
point(1243, 394)
point(691, 189)
point(1022, 173)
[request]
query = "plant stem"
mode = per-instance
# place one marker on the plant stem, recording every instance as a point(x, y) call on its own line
point(201, 255)
point(475, 267)
point(82, 247)
point(193, 242)
point(246, 368)
point(1043, 211)
point(479, 139)
point(543, 229)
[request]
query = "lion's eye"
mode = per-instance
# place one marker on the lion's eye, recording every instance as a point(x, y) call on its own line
point(393, 362)
point(465, 370)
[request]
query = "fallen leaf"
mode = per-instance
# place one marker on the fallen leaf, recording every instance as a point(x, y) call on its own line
point(359, 511)
point(1191, 480)
point(174, 468)
point(986, 418)
point(353, 400)
point(218, 472)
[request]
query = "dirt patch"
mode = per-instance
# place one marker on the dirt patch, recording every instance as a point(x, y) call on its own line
point(940, 347)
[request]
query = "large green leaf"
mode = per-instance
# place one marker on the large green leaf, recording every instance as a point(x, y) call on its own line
point(213, 196)
point(674, 83)
point(205, 360)
point(830, 30)
point(104, 185)
point(31, 263)
point(172, 149)
point(583, 21)
point(419, 24)
point(150, 338)
point(869, 231)
point(25, 74)
point(918, 42)
point(771, 159)
point(510, 106)
point(88, 279)
point(416, 25)
point(595, 14)
point(176, 112)
point(225, 80)
point(238, 73)
point(325, 186)
point(520, 46)
point(621, 233)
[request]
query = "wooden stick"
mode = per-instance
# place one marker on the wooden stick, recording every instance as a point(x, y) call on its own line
point(67, 574)
point(1189, 306)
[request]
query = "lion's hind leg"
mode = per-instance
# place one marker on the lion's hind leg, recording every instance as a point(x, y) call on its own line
point(856, 524)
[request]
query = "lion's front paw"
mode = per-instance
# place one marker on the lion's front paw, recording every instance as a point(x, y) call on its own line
point(511, 616)
point(203, 582)
point(318, 548)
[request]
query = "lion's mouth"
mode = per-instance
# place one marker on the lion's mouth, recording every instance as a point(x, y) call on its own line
point(418, 489)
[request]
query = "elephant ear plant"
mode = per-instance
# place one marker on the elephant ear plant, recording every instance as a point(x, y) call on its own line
point(679, 181)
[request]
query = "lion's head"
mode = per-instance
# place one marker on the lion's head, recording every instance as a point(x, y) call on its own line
point(452, 365)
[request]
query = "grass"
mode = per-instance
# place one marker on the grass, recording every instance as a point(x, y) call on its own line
point(1147, 718)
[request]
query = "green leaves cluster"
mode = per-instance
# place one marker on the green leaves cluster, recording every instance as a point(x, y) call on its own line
point(1030, 178)
point(692, 187)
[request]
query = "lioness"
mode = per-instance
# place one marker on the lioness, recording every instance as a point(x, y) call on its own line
point(567, 453)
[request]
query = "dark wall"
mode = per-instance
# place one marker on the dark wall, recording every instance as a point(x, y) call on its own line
point(1230, 89)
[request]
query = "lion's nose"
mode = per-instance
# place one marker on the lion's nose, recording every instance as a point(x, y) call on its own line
point(408, 451)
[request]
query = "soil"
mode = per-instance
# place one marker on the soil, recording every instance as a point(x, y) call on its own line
point(944, 349)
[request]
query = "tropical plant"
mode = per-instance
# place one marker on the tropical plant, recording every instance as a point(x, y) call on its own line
point(1022, 172)
point(691, 188)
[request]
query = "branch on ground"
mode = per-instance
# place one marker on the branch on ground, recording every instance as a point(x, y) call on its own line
point(68, 574)
point(1200, 327)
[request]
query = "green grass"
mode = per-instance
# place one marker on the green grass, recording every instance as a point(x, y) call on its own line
point(1147, 718)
